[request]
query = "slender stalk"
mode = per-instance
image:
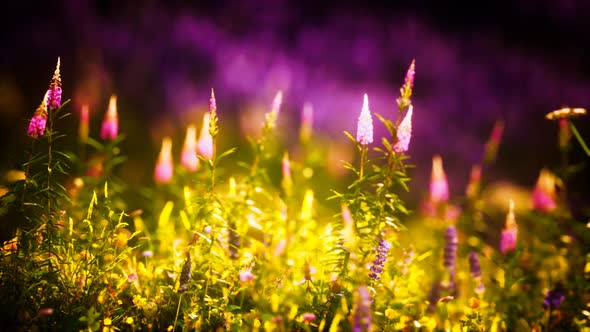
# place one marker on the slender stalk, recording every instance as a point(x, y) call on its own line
point(363, 157)
point(579, 138)
point(213, 163)
point(177, 311)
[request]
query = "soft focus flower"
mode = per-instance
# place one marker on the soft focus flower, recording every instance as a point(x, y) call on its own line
point(439, 187)
point(362, 310)
point(364, 131)
point(46, 311)
point(110, 124)
point(554, 297)
point(54, 91)
point(474, 184)
point(306, 123)
point(475, 270)
point(276, 103)
point(287, 179)
point(132, 277)
point(205, 144)
point(510, 232)
point(543, 197)
point(107, 321)
point(565, 113)
point(404, 132)
point(433, 296)
point(213, 126)
point(246, 276)
point(271, 117)
point(406, 89)
point(308, 317)
point(188, 157)
point(450, 255)
point(39, 119)
point(491, 147)
point(84, 126)
point(379, 261)
point(164, 166)
point(185, 274)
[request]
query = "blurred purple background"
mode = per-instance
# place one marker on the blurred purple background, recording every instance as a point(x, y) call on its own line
point(475, 63)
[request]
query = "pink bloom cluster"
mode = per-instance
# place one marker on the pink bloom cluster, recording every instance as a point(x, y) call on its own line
point(110, 125)
point(404, 132)
point(364, 132)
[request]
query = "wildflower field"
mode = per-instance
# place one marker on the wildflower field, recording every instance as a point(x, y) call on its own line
point(230, 240)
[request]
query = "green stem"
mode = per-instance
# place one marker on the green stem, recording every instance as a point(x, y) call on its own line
point(177, 311)
point(213, 163)
point(579, 138)
point(363, 157)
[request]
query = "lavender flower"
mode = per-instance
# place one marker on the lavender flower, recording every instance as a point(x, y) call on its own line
point(433, 296)
point(554, 297)
point(475, 269)
point(364, 132)
point(39, 120)
point(362, 310)
point(379, 261)
point(188, 157)
point(404, 132)
point(54, 91)
point(439, 187)
point(110, 124)
point(185, 274)
point(164, 166)
point(450, 255)
point(510, 232)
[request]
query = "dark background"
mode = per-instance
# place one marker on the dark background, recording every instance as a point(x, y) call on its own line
point(476, 62)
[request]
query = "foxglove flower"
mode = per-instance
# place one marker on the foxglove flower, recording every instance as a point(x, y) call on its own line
point(54, 91)
point(164, 166)
point(110, 124)
point(362, 310)
point(185, 274)
point(554, 297)
point(404, 132)
point(364, 131)
point(188, 157)
point(205, 144)
point(510, 232)
point(475, 270)
point(379, 261)
point(544, 196)
point(39, 120)
point(439, 187)
point(213, 127)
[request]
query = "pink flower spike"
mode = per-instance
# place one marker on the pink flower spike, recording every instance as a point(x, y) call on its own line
point(510, 232)
point(364, 132)
point(439, 187)
point(39, 120)
point(164, 166)
point(543, 197)
point(410, 74)
point(110, 124)
point(188, 157)
point(277, 102)
point(84, 123)
point(205, 144)
point(404, 132)
point(54, 98)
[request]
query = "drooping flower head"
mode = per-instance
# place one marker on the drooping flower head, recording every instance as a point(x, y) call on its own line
point(379, 261)
point(188, 157)
point(404, 132)
point(164, 166)
point(439, 187)
point(491, 147)
point(306, 123)
point(364, 131)
point(510, 232)
point(84, 126)
point(543, 197)
point(213, 126)
point(39, 120)
point(110, 124)
point(554, 297)
point(54, 91)
point(362, 310)
point(205, 144)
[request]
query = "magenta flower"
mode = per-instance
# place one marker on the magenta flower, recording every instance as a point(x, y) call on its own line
point(543, 196)
point(409, 79)
point(308, 317)
point(164, 166)
point(188, 157)
point(404, 132)
point(439, 187)
point(54, 91)
point(110, 124)
point(39, 120)
point(213, 127)
point(205, 144)
point(510, 232)
point(364, 132)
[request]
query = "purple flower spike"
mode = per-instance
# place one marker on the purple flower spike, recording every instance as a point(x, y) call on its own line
point(39, 119)
point(379, 262)
point(554, 297)
point(404, 132)
point(434, 296)
point(364, 132)
point(54, 91)
point(185, 274)
point(475, 269)
point(362, 310)
point(450, 255)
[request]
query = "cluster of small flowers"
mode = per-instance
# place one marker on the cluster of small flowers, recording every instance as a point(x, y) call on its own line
point(379, 261)
point(362, 310)
point(51, 101)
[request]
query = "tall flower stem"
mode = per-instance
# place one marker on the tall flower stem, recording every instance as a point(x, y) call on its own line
point(363, 160)
point(213, 163)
